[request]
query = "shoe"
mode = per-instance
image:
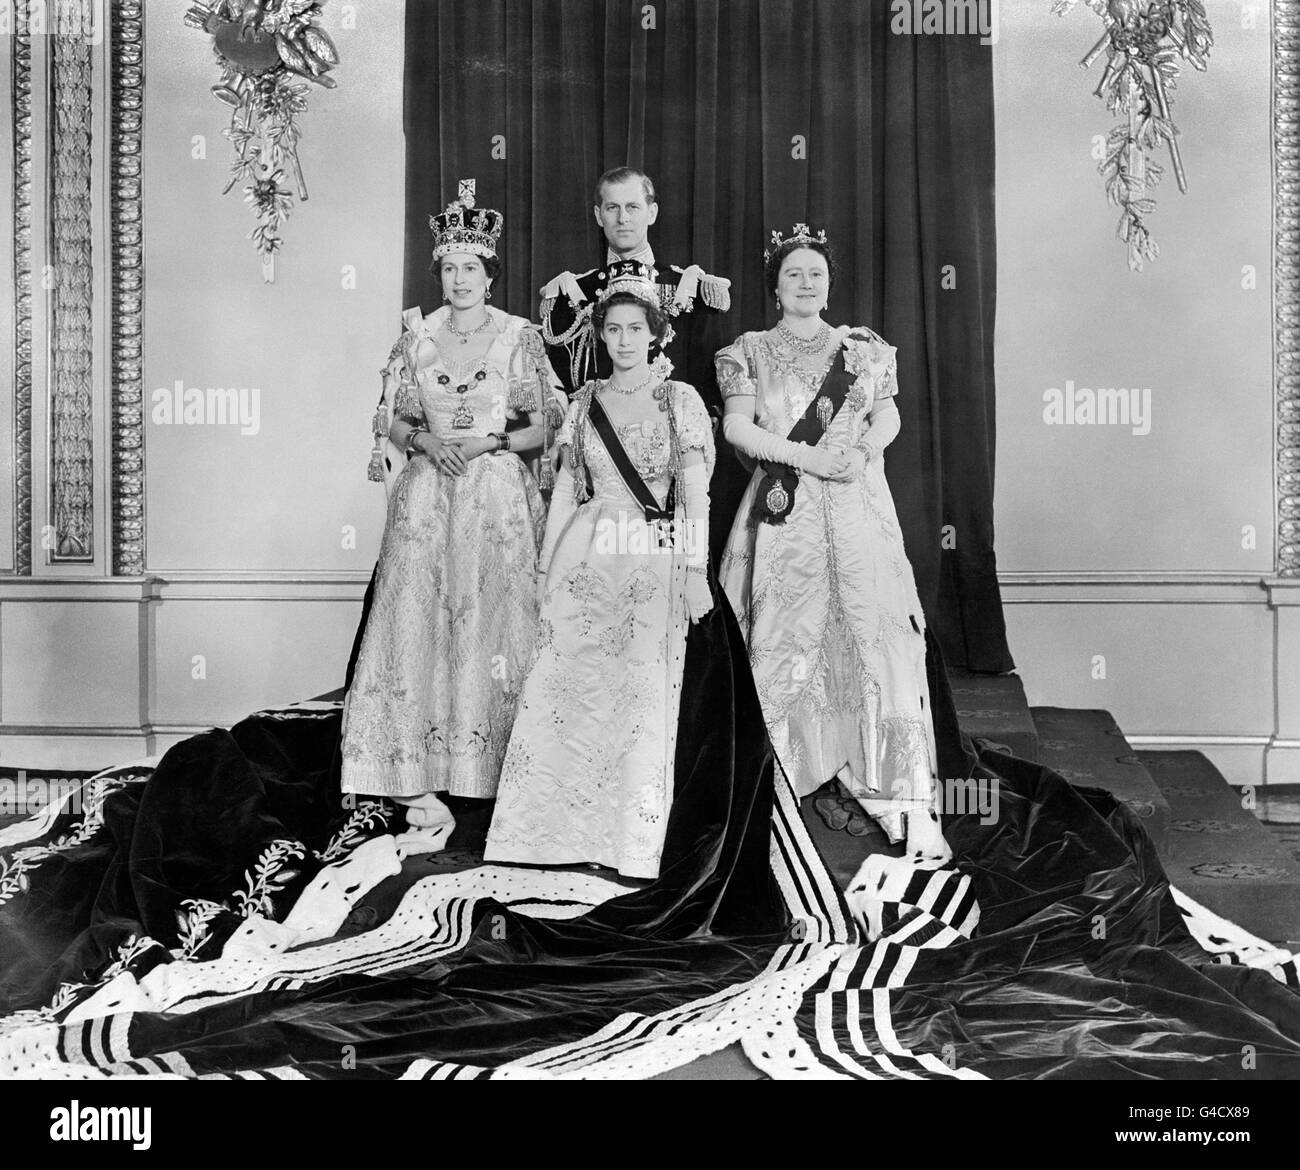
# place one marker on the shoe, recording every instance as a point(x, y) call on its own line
point(832, 812)
point(859, 824)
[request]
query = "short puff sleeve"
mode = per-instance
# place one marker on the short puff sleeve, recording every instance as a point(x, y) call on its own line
point(694, 426)
point(874, 364)
point(735, 373)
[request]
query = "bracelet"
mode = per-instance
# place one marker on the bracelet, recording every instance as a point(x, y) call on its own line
point(697, 569)
point(410, 439)
point(503, 441)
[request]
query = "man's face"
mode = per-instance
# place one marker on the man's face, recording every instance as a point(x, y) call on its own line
point(625, 216)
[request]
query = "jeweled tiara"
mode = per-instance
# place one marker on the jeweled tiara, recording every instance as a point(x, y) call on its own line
point(464, 228)
point(800, 235)
point(631, 276)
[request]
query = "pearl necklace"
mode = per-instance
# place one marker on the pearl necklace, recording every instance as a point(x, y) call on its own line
point(465, 336)
point(809, 345)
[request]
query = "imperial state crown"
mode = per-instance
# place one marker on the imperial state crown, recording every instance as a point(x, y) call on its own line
point(462, 227)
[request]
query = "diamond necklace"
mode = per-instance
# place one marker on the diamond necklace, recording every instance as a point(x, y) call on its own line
point(809, 345)
point(650, 381)
point(467, 334)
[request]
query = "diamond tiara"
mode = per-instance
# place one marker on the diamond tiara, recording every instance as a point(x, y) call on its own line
point(800, 235)
point(631, 276)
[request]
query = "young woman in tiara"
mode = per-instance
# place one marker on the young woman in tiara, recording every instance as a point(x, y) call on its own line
point(454, 613)
point(815, 567)
point(589, 774)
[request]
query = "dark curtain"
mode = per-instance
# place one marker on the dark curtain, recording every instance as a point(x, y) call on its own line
point(750, 115)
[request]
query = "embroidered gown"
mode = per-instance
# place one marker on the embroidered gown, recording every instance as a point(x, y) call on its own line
point(451, 628)
point(827, 600)
point(589, 773)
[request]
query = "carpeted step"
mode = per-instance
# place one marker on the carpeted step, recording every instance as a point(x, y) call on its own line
point(1220, 853)
point(1088, 748)
point(993, 707)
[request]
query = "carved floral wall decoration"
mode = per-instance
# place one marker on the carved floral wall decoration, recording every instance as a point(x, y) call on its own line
point(1145, 45)
point(267, 50)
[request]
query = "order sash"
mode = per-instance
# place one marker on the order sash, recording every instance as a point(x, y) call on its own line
point(775, 498)
point(655, 516)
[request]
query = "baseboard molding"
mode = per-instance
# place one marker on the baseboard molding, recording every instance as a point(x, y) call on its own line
point(1109, 588)
point(1165, 588)
point(60, 747)
point(1282, 762)
point(60, 751)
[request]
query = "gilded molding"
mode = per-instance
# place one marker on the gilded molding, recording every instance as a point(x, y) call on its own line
point(1286, 277)
point(71, 218)
point(126, 210)
point(22, 277)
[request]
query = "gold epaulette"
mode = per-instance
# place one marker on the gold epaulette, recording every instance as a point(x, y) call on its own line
point(716, 290)
point(716, 293)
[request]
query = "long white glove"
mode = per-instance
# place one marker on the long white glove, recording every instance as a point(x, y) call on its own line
point(746, 435)
point(872, 440)
point(695, 497)
point(563, 506)
point(883, 430)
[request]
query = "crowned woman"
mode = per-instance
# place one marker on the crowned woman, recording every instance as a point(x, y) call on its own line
point(454, 613)
point(589, 774)
point(815, 566)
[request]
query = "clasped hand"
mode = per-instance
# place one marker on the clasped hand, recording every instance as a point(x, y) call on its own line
point(837, 464)
point(453, 456)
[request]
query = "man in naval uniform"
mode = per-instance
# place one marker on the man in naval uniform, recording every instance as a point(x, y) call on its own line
point(626, 209)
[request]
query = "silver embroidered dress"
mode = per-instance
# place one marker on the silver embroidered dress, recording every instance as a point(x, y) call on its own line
point(449, 636)
point(827, 599)
point(589, 773)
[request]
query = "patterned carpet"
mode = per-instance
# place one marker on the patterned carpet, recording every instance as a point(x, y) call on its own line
point(1279, 809)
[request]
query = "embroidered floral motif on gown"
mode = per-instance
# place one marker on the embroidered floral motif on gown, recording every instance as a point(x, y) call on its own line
point(451, 630)
point(589, 773)
point(827, 600)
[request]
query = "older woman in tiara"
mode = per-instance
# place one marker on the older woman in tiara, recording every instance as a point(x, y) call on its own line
point(589, 774)
point(815, 566)
point(447, 640)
